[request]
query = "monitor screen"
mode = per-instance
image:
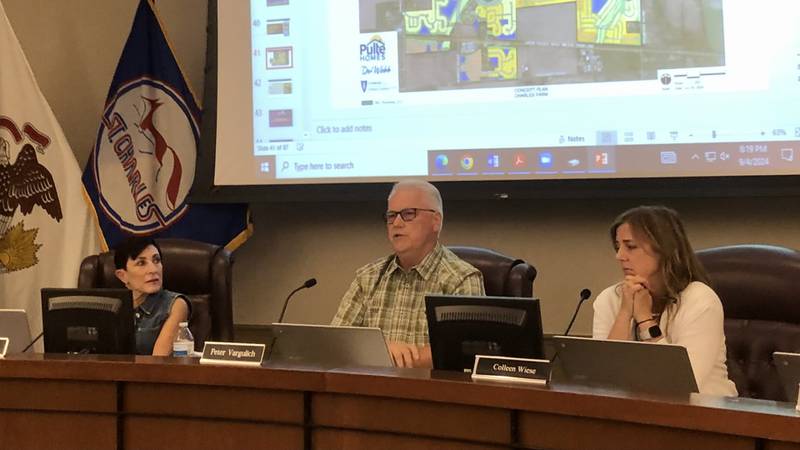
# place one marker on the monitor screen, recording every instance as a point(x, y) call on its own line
point(461, 327)
point(369, 91)
point(88, 321)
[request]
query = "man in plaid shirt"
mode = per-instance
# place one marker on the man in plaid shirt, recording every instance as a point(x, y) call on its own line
point(390, 293)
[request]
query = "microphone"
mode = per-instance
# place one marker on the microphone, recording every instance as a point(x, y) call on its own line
point(33, 342)
point(311, 282)
point(585, 294)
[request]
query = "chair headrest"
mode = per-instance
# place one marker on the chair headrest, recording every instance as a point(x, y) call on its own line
point(757, 282)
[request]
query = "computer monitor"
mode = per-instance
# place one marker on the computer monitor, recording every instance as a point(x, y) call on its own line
point(461, 327)
point(88, 321)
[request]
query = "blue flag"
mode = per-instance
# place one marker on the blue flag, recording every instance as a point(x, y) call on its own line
point(143, 162)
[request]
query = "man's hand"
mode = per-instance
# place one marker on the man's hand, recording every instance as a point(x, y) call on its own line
point(409, 355)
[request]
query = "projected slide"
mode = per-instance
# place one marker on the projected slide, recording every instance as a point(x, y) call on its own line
point(474, 44)
point(374, 90)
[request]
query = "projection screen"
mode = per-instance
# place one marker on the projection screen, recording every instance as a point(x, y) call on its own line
point(369, 91)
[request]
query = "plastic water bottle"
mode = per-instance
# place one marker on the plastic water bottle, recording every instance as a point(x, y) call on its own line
point(184, 341)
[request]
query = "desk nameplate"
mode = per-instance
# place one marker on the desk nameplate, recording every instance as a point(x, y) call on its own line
point(233, 353)
point(502, 368)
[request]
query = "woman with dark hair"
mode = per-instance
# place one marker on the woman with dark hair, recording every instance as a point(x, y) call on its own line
point(158, 312)
point(664, 296)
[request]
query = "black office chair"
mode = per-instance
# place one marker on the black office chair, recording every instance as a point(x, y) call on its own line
point(198, 270)
point(503, 276)
point(757, 285)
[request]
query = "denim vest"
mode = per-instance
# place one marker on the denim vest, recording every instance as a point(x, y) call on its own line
point(150, 317)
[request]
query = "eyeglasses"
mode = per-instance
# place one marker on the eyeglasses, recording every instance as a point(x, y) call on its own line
point(407, 214)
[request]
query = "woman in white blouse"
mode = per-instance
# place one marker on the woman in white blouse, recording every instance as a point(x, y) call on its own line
point(664, 295)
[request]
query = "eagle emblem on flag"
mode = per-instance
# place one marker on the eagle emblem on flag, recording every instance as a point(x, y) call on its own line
point(24, 185)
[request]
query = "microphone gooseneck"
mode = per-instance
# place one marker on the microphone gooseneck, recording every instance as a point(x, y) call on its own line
point(33, 342)
point(584, 295)
point(311, 282)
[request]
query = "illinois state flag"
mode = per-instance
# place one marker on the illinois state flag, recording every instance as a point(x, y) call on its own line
point(143, 162)
point(47, 224)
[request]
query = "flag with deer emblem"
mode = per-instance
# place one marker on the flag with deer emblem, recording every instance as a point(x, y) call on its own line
point(47, 224)
point(143, 162)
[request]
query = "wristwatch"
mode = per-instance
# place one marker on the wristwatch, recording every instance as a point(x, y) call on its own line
point(650, 333)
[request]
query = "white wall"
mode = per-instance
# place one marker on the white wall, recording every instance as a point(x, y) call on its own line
point(73, 47)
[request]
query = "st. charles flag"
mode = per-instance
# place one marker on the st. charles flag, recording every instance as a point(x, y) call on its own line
point(47, 224)
point(143, 163)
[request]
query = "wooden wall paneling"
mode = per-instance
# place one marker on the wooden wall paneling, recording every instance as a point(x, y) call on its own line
point(264, 405)
point(42, 414)
point(780, 445)
point(338, 439)
point(22, 430)
point(558, 432)
point(168, 433)
point(58, 395)
point(413, 417)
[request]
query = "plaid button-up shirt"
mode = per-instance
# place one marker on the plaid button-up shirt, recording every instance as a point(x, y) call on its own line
point(383, 295)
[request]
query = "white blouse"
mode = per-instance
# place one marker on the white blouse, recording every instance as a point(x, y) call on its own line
point(694, 322)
